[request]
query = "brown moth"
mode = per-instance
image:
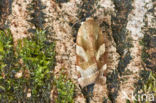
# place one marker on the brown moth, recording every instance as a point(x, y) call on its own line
point(90, 49)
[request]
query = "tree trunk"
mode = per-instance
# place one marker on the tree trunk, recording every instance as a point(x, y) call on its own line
point(129, 27)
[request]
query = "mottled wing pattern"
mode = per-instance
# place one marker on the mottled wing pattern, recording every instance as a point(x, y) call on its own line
point(89, 49)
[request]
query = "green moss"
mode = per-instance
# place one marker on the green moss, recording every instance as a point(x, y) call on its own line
point(38, 56)
point(8, 83)
point(65, 89)
point(127, 101)
point(35, 58)
point(6, 47)
point(148, 83)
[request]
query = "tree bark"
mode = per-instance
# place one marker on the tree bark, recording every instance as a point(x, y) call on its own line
point(124, 24)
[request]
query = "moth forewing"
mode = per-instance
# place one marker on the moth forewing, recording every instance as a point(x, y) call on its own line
point(89, 49)
point(81, 52)
point(100, 51)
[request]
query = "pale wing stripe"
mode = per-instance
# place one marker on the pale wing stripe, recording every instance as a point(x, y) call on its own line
point(81, 52)
point(96, 37)
point(104, 67)
point(79, 69)
point(89, 71)
point(85, 36)
point(100, 51)
point(84, 81)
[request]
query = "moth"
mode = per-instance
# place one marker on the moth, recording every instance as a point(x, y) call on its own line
point(90, 50)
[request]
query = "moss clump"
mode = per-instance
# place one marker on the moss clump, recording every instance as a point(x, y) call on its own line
point(25, 74)
point(65, 89)
point(38, 55)
point(6, 49)
point(150, 84)
point(147, 85)
point(6, 63)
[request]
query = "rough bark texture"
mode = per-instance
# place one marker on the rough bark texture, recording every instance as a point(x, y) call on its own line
point(124, 23)
point(18, 23)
